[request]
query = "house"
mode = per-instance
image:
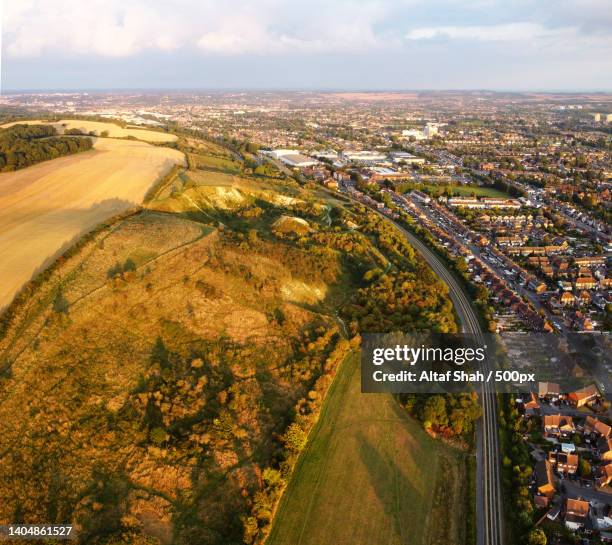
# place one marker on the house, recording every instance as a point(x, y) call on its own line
point(604, 449)
point(596, 427)
point(590, 261)
point(548, 390)
point(603, 475)
point(556, 425)
point(581, 397)
point(581, 322)
point(420, 196)
point(330, 183)
point(567, 299)
point(585, 283)
point(576, 513)
point(533, 405)
point(342, 176)
point(544, 478)
point(606, 283)
point(541, 502)
point(601, 514)
point(563, 462)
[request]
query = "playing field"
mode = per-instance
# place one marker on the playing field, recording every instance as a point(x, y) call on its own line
point(45, 207)
point(465, 190)
point(98, 127)
point(368, 475)
point(479, 191)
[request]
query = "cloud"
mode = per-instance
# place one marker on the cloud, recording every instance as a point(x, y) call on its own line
point(108, 28)
point(493, 33)
point(123, 28)
point(405, 43)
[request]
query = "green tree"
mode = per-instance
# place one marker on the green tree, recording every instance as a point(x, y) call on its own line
point(158, 435)
point(160, 354)
point(129, 265)
point(584, 467)
point(114, 271)
point(295, 438)
point(537, 537)
point(434, 411)
point(60, 303)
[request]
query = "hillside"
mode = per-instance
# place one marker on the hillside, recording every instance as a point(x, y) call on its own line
point(181, 353)
point(45, 207)
point(374, 468)
point(159, 383)
point(101, 128)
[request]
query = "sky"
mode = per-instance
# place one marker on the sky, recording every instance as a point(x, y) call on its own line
point(561, 45)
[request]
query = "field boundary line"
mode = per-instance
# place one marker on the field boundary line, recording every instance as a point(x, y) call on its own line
point(301, 459)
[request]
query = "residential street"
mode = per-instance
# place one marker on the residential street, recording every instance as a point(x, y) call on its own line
point(576, 490)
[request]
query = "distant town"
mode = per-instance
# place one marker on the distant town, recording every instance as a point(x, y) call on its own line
point(512, 192)
point(516, 188)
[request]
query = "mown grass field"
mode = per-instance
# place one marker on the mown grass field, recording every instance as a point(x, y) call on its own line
point(467, 190)
point(371, 475)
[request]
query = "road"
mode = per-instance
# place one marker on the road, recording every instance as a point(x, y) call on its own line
point(575, 490)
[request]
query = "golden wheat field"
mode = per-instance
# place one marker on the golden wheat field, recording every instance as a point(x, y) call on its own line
point(98, 127)
point(45, 207)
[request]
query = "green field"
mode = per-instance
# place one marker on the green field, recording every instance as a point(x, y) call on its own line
point(370, 474)
point(460, 190)
point(467, 190)
point(210, 178)
point(209, 162)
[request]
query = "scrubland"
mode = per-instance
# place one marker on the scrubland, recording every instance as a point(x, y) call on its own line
point(159, 383)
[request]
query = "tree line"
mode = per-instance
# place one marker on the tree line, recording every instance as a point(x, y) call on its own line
point(24, 145)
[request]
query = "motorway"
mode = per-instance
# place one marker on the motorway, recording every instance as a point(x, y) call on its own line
point(489, 511)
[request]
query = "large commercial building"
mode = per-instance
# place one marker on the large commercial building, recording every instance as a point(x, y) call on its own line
point(292, 158)
point(429, 131)
point(405, 157)
point(364, 157)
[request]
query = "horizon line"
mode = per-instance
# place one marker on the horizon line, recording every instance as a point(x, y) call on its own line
point(37, 90)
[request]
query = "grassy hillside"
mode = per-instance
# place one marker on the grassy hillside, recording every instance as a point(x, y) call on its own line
point(159, 381)
point(369, 475)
